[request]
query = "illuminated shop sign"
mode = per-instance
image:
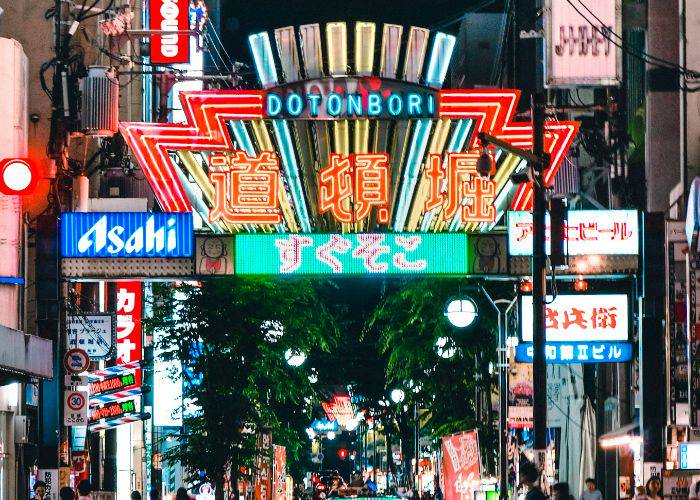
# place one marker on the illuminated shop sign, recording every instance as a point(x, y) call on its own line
point(578, 352)
point(126, 234)
point(339, 98)
point(169, 15)
point(362, 253)
point(325, 425)
point(580, 317)
point(588, 232)
point(113, 410)
point(350, 187)
point(113, 384)
point(689, 456)
point(339, 410)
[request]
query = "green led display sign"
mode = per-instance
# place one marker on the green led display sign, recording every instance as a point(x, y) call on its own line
point(352, 254)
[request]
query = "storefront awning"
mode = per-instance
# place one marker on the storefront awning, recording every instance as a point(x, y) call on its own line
point(25, 354)
point(624, 435)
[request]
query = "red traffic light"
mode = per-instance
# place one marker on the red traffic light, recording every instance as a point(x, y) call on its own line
point(18, 176)
point(343, 453)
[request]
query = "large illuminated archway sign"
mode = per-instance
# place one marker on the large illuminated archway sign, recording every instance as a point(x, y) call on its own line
point(207, 112)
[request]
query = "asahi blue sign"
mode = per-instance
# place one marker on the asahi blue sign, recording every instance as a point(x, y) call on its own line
point(126, 234)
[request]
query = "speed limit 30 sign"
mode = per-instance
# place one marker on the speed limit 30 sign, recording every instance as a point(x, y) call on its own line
point(75, 408)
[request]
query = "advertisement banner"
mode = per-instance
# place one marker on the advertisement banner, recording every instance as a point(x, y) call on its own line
point(280, 473)
point(129, 310)
point(94, 333)
point(580, 318)
point(461, 465)
point(127, 234)
point(520, 396)
point(352, 254)
point(263, 475)
point(588, 232)
point(169, 15)
point(581, 45)
point(51, 478)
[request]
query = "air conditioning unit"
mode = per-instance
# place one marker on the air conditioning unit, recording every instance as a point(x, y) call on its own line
point(99, 102)
point(21, 429)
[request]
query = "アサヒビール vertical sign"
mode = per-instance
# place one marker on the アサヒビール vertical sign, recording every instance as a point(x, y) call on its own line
point(169, 15)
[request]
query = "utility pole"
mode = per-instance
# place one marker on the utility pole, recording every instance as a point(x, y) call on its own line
point(539, 280)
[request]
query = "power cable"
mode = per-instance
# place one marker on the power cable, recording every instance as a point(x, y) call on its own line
point(648, 58)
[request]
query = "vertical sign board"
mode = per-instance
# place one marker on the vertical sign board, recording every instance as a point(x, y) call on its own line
point(461, 465)
point(51, 478)
point(280, 473)
point(676, 321)
point(169, 15)
point(263, 474)
point(580, 48)
point(129, 309)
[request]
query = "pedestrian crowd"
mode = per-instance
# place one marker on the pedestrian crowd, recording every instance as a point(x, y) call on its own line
point(83, 491)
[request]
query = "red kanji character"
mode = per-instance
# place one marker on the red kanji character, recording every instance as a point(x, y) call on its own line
point(604, 317)
point(370, 250)
point(371, 185)
point(246, 189)
point(335, 188)
point(552, 319)
point(460, 168)
point(574, 317)
point(480, 193)
point(324, 253)
point(436, 177)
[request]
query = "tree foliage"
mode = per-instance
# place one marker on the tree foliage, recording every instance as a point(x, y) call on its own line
point(225, 333)
point(409, 320)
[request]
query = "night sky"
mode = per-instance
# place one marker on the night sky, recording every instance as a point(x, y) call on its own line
point(240, 18)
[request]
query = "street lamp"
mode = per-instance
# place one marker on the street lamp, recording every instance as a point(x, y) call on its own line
point(397, 396)
point(294, 358)
point(461, 312)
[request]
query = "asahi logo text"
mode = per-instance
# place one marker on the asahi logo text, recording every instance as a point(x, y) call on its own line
point(116, 239)
point(169, 11)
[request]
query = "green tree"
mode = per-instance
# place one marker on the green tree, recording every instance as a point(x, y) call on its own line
point(231, 335)
point(454, 393)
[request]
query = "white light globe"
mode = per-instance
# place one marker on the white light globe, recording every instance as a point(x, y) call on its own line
point(331, 435)
point(461, 312)
point(445, 347)
point(294, 358)
point(17, 175)
point(397, 396)
point(351, 424)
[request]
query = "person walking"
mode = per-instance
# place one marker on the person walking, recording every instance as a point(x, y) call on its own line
point(135, 495)
point(529, 476)
point(561, 491)
point(181, 494)
point(40, 490)
point(591, 492)
point(84, 490)
point(654, 488)
point(66, 493)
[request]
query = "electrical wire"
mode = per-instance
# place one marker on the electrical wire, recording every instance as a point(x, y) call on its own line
point(645, 57)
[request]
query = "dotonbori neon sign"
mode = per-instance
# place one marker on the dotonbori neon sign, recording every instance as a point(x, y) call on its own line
point(251, 178)
point(246, 188)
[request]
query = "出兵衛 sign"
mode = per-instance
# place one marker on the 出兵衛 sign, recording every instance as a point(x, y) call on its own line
point(580, 318)
point(363, 253)
point(578, 352)
point(588, 232)
point(126, 234)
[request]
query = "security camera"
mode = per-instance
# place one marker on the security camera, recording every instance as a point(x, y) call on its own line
point(485, 164)
point(522, 176)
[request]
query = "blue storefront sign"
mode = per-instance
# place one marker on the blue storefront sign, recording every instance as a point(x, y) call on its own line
point(578, 352)
point(325, 425)
point(126, 234)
